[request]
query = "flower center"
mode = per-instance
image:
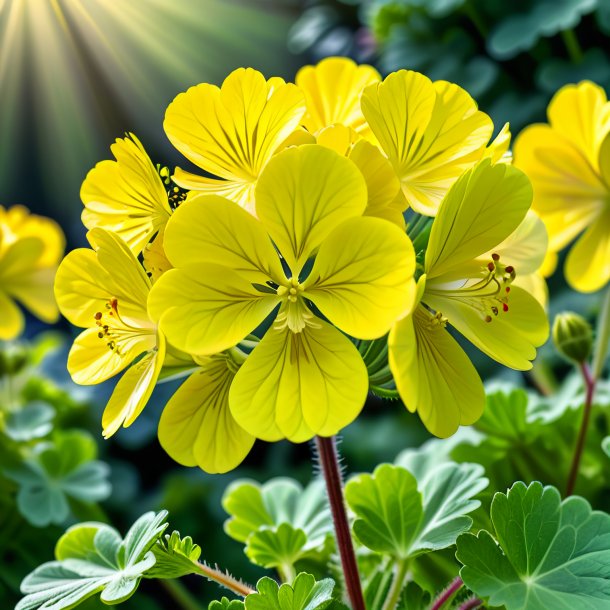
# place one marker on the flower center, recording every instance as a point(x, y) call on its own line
point(294, 312)
point(489, 295)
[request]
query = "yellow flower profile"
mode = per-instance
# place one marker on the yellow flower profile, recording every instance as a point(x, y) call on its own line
point(472, 291)
point(30, 249)
point(431, 133)
point(305, 377)
point(232, 131)
point(568, 162)
point(126, 196)
point(105, 290)
point(332, 91)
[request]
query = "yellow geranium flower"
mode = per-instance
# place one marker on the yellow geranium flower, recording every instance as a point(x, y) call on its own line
point(126, 196)
point(332, 91)
point(30, 249)
point(568, 162)
point(431, 132)
point(105, 291)
point(475, 294)
point(228, 278)
point(232, 131)
point(196, 427)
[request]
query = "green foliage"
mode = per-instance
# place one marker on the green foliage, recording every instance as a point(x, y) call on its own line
point(304, 594)
point(93, 558)
point(394, 517)
point(175, 556)
point(543, 553)
point(280, 522)
point(32, 421)
point(57, 472)
point(226, 604)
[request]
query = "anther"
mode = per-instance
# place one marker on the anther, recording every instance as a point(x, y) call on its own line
point(504, 307)
point(491, 266)
point(510, 269)
point(98, 315)
point(487, 318)
point(495, 257)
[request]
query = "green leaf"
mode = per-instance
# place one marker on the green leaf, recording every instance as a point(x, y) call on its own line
point(304, 594)
point(92, 558)
point(56, 473)
point(176, 557)
point(606, 446)
point(400, 517)
point(544, 553)
point(34, 420)
point(280, 522)
point(414, 598)
point(226, 604)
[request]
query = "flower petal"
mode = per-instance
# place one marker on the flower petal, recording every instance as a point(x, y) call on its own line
point(211, 229)
point(272, 398)
point(206, 308)
point(588, 263)
point(483, 208)
point(233, 131)
point(362, 279)
point(126, 196)
point(11, 318)
point(303, 194)
point(332, 91)
point(35, 291)
point(197, 428)
point(510, 338)
point(133, 391)
point(431, 133)
point(433, 374)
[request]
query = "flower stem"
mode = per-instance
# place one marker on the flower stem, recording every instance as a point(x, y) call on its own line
point(329, 463)
point(603, 337)
point(446, 594)
point(225, 580)
point(473, 602)
point(180, 594)
point(572, 45)
point(584, 426)
point(397, 585)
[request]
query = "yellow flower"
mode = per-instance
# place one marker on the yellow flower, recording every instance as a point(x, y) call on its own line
point(474, 294)
point(30, 249)
point(568, 162)
point(126, 196)
point(232, 131)
point(196, 427)
point(431, 132)
point(304, 377)
point(105, 291)
point(332, 91)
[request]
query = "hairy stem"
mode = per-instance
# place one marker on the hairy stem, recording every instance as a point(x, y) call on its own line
point(225, 580)
point(446, 594)
point(397, 584)
point(584, 427)
point(469, 604)
point(180, 594)
point(329, 463)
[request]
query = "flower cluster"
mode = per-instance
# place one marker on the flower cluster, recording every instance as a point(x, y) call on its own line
point(30, 249)
point(254, 278)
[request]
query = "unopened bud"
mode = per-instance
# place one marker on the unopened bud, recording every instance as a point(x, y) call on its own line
point(573, 336)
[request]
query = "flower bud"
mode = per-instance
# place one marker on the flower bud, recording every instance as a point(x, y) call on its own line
point(573, 336)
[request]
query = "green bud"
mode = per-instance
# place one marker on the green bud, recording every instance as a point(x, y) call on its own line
point(13, 359)
point(573, 336)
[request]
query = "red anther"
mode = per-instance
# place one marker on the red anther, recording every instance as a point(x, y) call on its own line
point(504, 307)
point(507, 289)
point(495, 257)
point(510, 269)
point(491, 266)
point(98, 315)
point(487, 318)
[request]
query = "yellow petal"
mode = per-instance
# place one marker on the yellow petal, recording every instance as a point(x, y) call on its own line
point(91, 361)
point(481, 210)
point(497, 150)
point(433, 375)
point(549, 264)
point(581, 114)
point(431, 133)
point(303, 194)
point(588, 263)
point(534, 284)
point(197, 428)
point(604, 160)
point(206, 308)
point(510, 338)
point(212, 229)
point(11, 319)
point(332, 91)
point(233, 131)
point(272, 398)
point(362, 279)
point(126, 196)
point(133, 391)
point(568, 193)
point(34, 290)
point(154, 258)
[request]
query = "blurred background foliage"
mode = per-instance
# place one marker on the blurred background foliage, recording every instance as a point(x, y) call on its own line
point(76, 74)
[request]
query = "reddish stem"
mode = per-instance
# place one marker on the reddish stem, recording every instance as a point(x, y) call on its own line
point(446, 594)
point(329, 463)
point(590, 382)
point(474, 602)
